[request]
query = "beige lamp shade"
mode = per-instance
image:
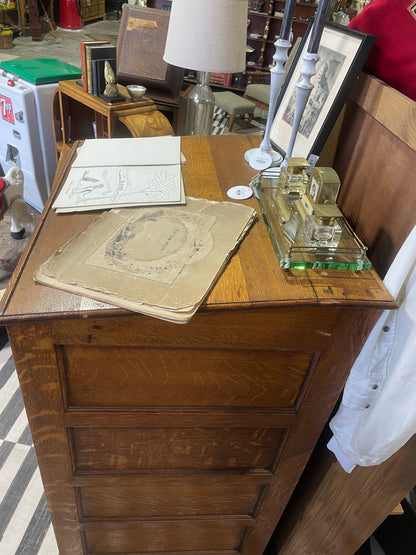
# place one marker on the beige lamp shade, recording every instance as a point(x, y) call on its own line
point(207, 35)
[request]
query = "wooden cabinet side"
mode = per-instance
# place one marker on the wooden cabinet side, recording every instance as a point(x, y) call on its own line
point(38, 372)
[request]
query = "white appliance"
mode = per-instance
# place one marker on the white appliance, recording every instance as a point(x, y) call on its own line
point(26, 127)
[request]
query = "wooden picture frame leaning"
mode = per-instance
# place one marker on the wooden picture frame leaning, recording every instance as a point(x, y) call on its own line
point(342, 53)
point(140, 46)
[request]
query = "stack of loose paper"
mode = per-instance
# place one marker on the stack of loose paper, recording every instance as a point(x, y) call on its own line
point(160, 261)
point(108, 173)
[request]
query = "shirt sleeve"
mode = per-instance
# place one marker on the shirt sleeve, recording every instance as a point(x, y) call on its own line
point(377, 414)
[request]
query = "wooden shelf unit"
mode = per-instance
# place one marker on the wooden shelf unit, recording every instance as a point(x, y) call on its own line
point(80, 115)
point(267, 25)
point(10, 15)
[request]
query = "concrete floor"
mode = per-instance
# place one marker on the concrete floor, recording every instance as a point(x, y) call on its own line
point(64, 45)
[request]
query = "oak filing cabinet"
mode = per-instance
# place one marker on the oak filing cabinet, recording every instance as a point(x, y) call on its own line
point(159, 438)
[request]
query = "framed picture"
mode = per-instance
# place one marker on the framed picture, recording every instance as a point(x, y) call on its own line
point(342, 53)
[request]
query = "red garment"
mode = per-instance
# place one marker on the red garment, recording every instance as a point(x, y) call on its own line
point(393, 56)
point(3, 184)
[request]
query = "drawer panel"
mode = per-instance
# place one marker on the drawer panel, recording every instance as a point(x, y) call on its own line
point(110, 449)
point(180, 499)
point(137, 377)
point(183, 537)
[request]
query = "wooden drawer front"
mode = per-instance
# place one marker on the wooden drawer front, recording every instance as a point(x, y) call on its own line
point(121, 449)
point(180, 499)
point(181, 537)
point(137, 377)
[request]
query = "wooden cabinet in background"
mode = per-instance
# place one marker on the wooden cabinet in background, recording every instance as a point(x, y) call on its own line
point(10, 14)
point(265, 19)
point(92, 9)
point(160, 438)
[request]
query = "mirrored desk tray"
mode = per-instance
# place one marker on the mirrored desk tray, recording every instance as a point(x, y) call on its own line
point(285, 222)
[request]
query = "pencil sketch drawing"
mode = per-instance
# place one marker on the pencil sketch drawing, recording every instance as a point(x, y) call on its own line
point(119, 185)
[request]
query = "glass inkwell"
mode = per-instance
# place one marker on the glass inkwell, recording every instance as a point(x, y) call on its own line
point(307, 231)
point(321, 228)
point(293, 179)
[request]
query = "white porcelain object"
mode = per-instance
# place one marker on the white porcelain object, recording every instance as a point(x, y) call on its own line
point(136, 91)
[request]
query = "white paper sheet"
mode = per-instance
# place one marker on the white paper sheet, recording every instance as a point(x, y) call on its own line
point(141, 151)
point(110, 173)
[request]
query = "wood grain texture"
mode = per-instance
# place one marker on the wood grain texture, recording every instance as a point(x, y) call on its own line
point(332, 512)
point(188, 448)
point(184, 377)
point(79, 115)
point(375, 160)
point(254, 278)
point(395, 111)
point(180, 497)
point(158, 438)
point(342, 510)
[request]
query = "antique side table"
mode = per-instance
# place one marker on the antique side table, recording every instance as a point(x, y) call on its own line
point(80, 115)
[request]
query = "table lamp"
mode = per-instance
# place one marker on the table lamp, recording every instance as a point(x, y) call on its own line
point(208, 36)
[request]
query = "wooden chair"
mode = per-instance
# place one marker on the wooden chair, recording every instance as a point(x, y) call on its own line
point(258, 89)
point(258, 83)
point(234, 105)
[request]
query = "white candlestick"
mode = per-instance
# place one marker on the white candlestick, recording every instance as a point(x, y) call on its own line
point(303, 91)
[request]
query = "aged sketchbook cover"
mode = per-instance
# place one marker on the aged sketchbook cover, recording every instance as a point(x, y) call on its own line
point(161, 261)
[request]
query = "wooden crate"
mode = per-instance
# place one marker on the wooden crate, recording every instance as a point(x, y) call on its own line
point(92, 9)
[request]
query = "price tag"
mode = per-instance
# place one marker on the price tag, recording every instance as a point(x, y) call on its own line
point(240, 192)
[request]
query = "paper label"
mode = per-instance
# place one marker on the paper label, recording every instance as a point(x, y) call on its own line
point(134, 23)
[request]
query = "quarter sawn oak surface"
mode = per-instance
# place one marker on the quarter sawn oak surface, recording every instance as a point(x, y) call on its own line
point(155, 437)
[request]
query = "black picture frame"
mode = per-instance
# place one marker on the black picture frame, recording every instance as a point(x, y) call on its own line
point(342, 54)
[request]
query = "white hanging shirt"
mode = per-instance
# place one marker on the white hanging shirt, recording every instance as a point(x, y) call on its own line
point(377, 414)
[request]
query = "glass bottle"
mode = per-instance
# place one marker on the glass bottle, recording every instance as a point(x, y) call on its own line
point(322, 231)
point(293, 179)
point(324, 185)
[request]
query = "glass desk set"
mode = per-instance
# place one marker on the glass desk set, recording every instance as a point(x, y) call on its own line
point(305, 224)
